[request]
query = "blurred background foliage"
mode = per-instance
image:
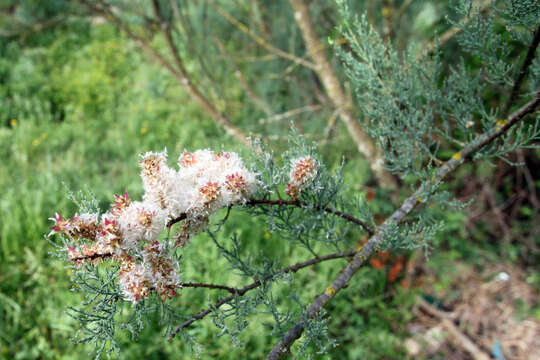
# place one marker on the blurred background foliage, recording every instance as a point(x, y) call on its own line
point(79, 101)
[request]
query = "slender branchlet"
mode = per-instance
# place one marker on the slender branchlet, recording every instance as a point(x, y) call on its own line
point(296, 203)
point(240, 292)
point(177, 69)
point(346, 274)
point(523, 70)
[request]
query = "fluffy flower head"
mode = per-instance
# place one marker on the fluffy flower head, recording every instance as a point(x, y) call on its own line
point(129, 233)
point(303, 172)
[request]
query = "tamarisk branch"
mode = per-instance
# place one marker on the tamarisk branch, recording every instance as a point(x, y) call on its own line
point(283, 346)
point(240, 292)
point(297, 203)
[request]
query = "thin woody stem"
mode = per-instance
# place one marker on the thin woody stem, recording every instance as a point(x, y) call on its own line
point(523, 70)
point(255, 284)
point(219, 117)
point(176, 220)
point(91, 257)
point(259, 40)
point(188, 284)
point(297, 203)
point(177, 70)
point(283, 346)
point(240, 76)
point(210, 286)
point(291, 113)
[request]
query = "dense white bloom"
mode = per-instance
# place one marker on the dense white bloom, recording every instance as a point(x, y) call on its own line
point(132, 280)
point(161, 270)
point(129, 233)
point(215, 180)
point(204, 183)
point(141, 221)
point(157, 178)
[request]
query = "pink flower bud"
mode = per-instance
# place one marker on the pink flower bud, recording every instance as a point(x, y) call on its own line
point(187, 159)
point(120, 203)
point(210, 191)
point(303, 171)
point(61, 225)
point(235, 183)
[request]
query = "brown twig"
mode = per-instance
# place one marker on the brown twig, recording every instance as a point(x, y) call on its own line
point(176, 220)
point(458, 337)
point(259, 40)
point(499, 216)
point(297, 203)
point(188, 284)
point(332, 121)
point(531, 186)
point(91, 257)
point(240, 292)
point(179, 73)
point(283, 346)
point(240, 76)
point(219, 117)
point(523, 70)
point(210, 286)
point(291, 113)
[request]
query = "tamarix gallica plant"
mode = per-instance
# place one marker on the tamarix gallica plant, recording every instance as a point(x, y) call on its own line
point(412, 106)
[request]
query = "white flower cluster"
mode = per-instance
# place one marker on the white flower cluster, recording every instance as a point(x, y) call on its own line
point(206, 181)
point(129, 233)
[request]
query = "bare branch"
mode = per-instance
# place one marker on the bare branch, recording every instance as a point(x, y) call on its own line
point(176, 220)
point(257, 100)
point(283, 346)
point(457, 336)
point(210, 286)
point(192, 89)
point(91, 257)
point(291, 113)
point(179, 72)
point(332, 121)
point(523, 70)
point(240, 292)
point(259, 40)
point(297, 203)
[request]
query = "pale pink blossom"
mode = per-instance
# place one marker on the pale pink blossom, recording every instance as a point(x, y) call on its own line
point(129, 233)
point(303, 172)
